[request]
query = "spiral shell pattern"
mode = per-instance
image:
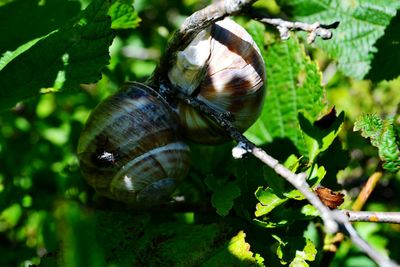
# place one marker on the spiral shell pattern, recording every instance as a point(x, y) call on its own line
point(130, 149)
point(227, 73)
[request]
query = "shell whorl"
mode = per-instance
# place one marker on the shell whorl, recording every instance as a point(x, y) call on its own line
point(231, 79)
point(130, 149)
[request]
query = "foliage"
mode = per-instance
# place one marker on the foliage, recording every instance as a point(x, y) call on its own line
point(60, 58)
point(362, 24)
point(63, 59)
point(297, 88)
point(384, 136)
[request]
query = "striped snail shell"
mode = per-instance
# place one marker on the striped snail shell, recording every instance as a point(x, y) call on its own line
point(222, 67)
point(130, 149)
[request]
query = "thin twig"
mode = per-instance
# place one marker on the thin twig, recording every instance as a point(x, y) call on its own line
point(366, 191)
point(314, 30)
point(371, 216)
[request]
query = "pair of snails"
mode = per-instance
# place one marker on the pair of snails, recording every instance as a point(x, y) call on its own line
point(132, 147)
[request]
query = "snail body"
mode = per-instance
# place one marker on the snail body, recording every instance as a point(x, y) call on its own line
point(130, 149)
point(223, 68)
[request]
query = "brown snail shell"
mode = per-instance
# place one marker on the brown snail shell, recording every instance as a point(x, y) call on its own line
point(130, 149)
point(222, 67)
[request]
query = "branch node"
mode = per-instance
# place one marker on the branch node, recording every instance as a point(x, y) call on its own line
point(240, 150)
point(284, 32)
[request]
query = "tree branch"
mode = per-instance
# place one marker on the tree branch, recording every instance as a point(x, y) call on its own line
point(381, 260)
point(370, 216)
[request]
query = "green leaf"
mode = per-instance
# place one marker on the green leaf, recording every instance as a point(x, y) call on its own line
point(74, 54)
point(319, 139)
point(57, 136)
point(30, 19)
point(315, 175)
point(295, 250)
point(384, 65)
point(362, 23)
point(10, 216)
point(284, 216)
point(307, 254)
point(309, 210)
point(9, 56)
point(332, 167)
point(224, 194)
point(270, 223)
point(268, 201)
point(276, 195)
point(383, 136)
point(123, 15)
point(274, 181)
point(294, 85)
point(235, 253)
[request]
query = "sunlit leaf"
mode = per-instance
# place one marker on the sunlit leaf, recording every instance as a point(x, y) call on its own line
point(276, 195)
point(383, 136)
point(236, 253)
point(10, 217)
point(319, 139)
point(295, 250)
point(268, 201)
point(123, 15)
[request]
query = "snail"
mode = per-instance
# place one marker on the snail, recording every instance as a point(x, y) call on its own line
point(222, 67)
point(130, 149)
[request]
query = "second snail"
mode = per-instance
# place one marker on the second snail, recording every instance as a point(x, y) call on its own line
point(223, 68)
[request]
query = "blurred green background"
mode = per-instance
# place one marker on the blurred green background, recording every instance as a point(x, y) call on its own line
point(49, 215)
